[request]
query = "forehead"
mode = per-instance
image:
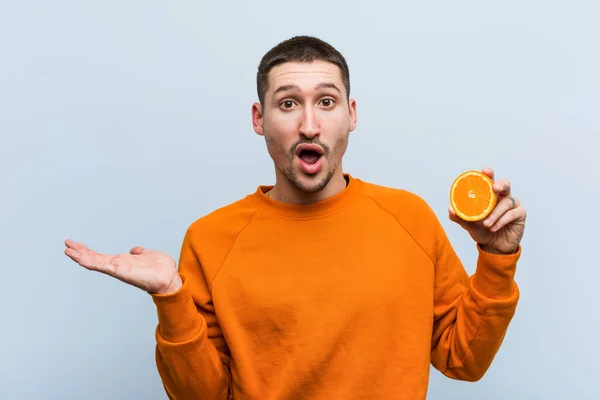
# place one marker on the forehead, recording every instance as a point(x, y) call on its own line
point(305, 75)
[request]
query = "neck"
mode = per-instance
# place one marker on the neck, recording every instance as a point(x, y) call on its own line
point(286, 192)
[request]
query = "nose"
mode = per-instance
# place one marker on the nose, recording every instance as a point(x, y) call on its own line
point(309, 125)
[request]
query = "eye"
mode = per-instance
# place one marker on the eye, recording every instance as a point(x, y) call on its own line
point(287, 104)
point(327, 102)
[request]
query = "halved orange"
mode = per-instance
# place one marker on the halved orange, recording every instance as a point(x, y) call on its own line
point(471, 196)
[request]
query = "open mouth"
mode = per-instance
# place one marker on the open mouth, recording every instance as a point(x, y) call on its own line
point(309, 156)
point(309, 153)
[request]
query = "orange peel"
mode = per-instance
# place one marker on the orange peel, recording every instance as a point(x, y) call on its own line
point(471, 195)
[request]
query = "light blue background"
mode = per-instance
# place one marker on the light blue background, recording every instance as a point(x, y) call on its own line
point(122, 122)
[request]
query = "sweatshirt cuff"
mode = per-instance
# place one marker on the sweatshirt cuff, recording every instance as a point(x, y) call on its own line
point(494, 276)
point(178, 318)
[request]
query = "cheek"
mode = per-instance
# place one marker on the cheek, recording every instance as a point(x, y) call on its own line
point(280, 131)
point(278, 144)
point(336, 121)
point(283, 124)
point(337, 128)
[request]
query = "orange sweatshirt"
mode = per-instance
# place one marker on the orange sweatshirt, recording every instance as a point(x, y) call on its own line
point(352, 297)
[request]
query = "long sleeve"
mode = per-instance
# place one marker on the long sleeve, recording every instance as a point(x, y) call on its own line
point(471, 313)
point(191, 354)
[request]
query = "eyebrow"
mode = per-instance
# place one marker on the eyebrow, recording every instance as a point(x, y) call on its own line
point(296, 88)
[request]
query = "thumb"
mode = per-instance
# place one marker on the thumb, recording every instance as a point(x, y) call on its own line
point(137, 250)
point(455, 218)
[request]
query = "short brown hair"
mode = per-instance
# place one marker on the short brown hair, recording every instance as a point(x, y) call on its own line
point(299, 49)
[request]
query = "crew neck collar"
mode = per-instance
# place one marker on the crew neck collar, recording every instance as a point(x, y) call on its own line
point(318, 209)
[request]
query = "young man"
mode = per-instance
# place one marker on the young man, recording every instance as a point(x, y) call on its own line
point(322, 286)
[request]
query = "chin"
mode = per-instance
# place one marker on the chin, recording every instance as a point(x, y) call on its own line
point(311, 183)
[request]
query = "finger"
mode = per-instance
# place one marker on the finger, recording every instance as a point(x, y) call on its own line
point(74, 249)
point(94, 261)
point(85, 257)
point(74, 255)
point(70, 243)
point(502, 187)
point(455, 218)
point(508, 217)
point(503, 206)
point(79, 247)
point(489, 172)
point(137, 250)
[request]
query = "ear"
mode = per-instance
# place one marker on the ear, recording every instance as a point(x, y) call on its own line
point(257, 119)
point(352, 111)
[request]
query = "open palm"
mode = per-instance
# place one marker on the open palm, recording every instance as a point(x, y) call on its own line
point(150, 270)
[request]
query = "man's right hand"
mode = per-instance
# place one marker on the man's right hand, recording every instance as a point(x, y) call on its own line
point(152, 271)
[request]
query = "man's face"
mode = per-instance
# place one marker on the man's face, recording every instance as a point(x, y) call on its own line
point(306, 120)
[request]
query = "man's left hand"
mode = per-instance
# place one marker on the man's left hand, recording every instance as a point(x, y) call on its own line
point(502, 230)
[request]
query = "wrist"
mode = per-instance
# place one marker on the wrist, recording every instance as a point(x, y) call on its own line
point(493, 250)
point(173, 286)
